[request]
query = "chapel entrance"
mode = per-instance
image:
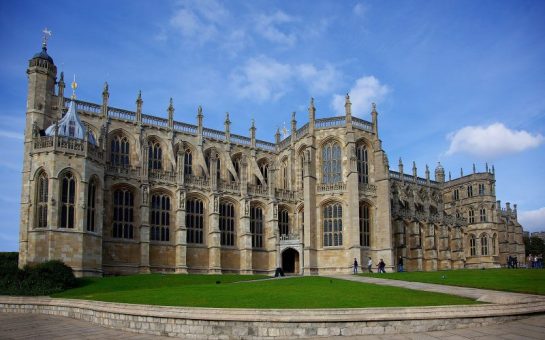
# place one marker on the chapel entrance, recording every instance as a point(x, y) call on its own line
point(290, 261)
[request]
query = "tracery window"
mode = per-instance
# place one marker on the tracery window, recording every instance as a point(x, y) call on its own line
point(362, 164)
point(456, 194)
point(471, 214)
point(123, 219)
point(155, 156)
point(119, 151)
point(160, 217)
point(469, 191)
point(256, 226)
point(365, 222)
point(481, 189)
point(482, 213)
point(484, 245)
point(194, 220)
point(42, 190)
point(472, 245)
point(227, 224)
point(188, 162)
point(68, 200)
point(91, 205)
point(264, 168)
point(333, 225)
point(283, 222)
point(331, 163)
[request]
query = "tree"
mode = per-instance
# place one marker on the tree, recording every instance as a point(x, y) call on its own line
point(534, 245)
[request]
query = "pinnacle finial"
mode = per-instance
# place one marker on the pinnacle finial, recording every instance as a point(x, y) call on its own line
point(373, 107)
point(253, 124)
point(199, 111)
point(74, 87)
point(47, 34)
point(139, 94)
point(400, 161)
point(171, 103)
point(227, 121)
point(293, 115)
point(62, 77)
point(312, 102)
point(106, 87)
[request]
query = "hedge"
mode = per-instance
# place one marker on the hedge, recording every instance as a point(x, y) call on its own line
point(41, 279)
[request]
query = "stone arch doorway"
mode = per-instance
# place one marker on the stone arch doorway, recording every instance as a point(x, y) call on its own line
point(290, 261)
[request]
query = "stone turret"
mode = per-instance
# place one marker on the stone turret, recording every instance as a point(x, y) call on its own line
point(439, 173)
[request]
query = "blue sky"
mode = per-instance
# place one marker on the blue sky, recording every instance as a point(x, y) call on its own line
point(455, 81)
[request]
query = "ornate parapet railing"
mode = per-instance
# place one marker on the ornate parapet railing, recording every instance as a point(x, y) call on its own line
point(121, 114)
point(197, 182)
point(155, 121)
point(162, 176)
point(367, 189)
point(289, 238)
point(265, 145)
point(286, 195)
point(331, 187)
point(185, 128)
point(123, 171)
point(67, 145)
point(232, 187)
point(362, 124)
point(331, 122)
point(258, 190)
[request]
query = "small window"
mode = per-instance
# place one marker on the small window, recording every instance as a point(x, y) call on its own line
point(482, 214)
point(456, 195)
point(470, 191)
point(155, 156)
point(472, 245)
point(362, 164)
point(188, 163)
point(484, 245)
point(41, 200)
point(283, 222)
point(471, 214)
point(68, 201)
point(481, 189)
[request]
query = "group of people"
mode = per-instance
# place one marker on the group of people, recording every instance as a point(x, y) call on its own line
point(381, 266)
point(535, 261)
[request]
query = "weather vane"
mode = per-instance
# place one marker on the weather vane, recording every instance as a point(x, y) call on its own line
point(74, 87)
point(284, 130)
point(47, 34)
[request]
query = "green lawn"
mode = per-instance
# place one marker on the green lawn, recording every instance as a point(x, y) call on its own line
point(510, 280)
point(203, 291)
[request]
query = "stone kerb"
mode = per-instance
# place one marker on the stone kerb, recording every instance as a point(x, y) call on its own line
point(217, 323)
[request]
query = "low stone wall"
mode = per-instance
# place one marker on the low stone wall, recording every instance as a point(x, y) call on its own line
point(216, 323)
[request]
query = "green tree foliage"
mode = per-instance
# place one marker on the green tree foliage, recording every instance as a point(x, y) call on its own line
point(534, 245)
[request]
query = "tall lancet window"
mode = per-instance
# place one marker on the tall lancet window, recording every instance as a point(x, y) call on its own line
point(68, 199)
point(155, 156)
point(256, 226)
point(188, 162)
point(41, 200)
point(194, 220)
point(284, 222)
point(331, 163)
point(362, 164)
point(227, 224)
point(91, 205)
point(333, 225)
point(123, 218)
point(160, 218)
point(119, 151)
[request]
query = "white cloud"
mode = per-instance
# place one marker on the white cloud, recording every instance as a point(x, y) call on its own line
point(264, 78)
point(365, 91)
point(532, 220)
point(10, 134)
point(359, 9)
point(268, 27)
point(491, 141)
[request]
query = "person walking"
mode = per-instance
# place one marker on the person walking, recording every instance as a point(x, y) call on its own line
point(370, 265)
point(381, 266)
point(355, 266)
point(400, 264)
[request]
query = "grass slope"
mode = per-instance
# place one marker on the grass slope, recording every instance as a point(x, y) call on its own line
point(203, 291)
point(510, 280)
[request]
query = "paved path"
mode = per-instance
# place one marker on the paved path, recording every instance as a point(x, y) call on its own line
point(38, 326)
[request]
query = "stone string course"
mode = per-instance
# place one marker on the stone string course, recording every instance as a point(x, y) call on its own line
point(216, 323)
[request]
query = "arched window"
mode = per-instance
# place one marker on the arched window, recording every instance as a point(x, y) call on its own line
point(122, 226)
point(91, 205)
point(155, 156)
point(482, 213)
point(160, 218)
point(194, 220)
point(494, 244)
point(484, 244)
point(119, 151)
point(362, 164)
point(365, 223)
point(284, 222)
point(188, 162)
point(41, 200)
point(264, 168)
point(333, 225)
point(456, 194)
point(469, 191)
point(472, 245)
point(331, 163)
point(481, 189)
point(471, 214)
point(285, 178)
point(256, 226)
point(227, 224)
point(68, 200)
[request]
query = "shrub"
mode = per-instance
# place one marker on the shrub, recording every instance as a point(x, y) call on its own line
point(41, 279)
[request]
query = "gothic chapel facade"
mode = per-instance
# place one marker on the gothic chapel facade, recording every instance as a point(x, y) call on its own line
point(110, 191)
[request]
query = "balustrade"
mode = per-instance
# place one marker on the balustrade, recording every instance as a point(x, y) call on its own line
point(362, 124)
point(327, 187)
point(121, 114)
point(185, 128)
point(198, 182)
point(233, 187)
point(161, 175)
point(258, 190)
point(127, 171)
point(367, 188)
point(155, 121)
point(325, 123)
point(213, 134)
